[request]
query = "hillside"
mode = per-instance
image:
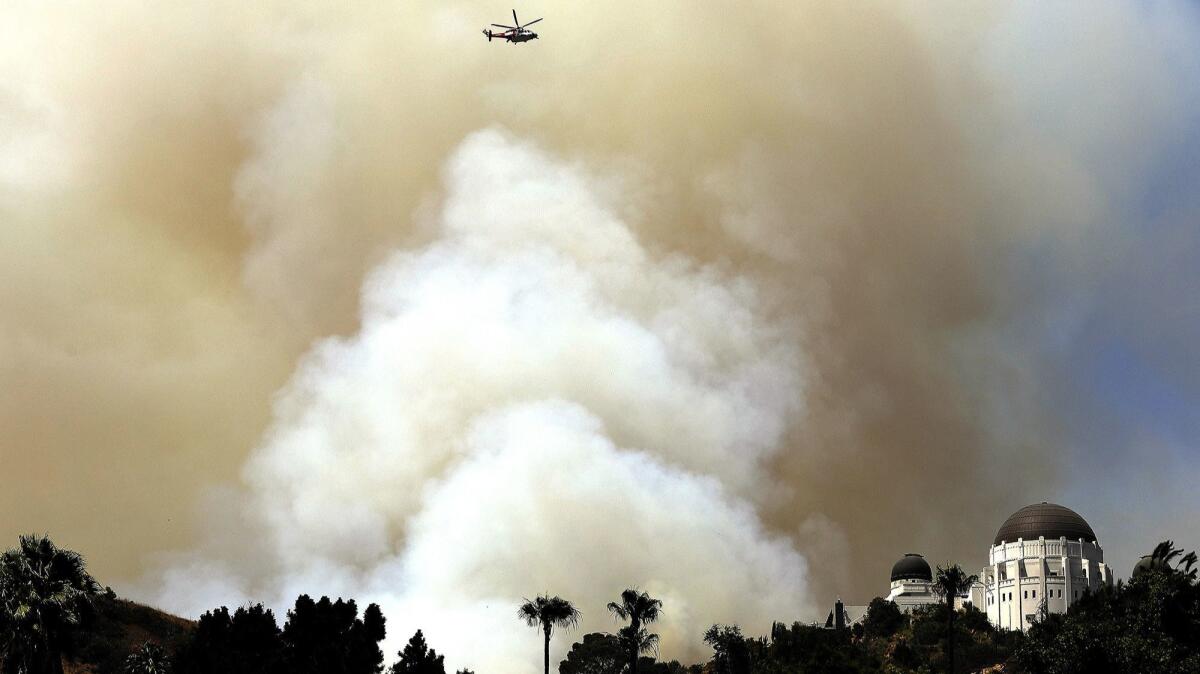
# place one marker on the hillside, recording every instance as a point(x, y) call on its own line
point(115, 628)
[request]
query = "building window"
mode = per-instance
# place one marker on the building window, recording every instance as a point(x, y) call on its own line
point(1026, 595)
point(1035, 594)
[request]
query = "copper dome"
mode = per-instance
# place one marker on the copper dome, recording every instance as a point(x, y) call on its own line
point(1044, 519)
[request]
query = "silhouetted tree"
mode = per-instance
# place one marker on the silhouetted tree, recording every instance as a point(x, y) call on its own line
point(44, 591)
point(649, 666)
point(731, 655)
point(883, 618)
point(246, 642)
point(640, 609)
point(596, 654)
point(149, 658)
point(638, 642)
point(950, 582)
point(1165, 553)
point(327, 637)
point(548, 612)
point(418, 658)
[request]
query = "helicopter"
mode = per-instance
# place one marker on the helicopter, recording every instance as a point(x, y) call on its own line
point(514, 34)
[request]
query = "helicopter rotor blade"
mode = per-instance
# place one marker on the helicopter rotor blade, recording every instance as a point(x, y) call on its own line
point(500, 25)
point(515, 19)
point(531, 23)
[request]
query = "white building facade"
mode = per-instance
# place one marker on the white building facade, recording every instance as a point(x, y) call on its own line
point(1043, 559)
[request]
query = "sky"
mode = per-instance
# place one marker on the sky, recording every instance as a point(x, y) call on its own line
point(737, 303)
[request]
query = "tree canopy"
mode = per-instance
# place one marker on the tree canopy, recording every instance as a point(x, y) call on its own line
point(597, 653)
point(548, 612)
point(45, 592)
point(418, 658)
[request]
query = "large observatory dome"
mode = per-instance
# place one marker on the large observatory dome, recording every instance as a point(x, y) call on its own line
point(1044, 519)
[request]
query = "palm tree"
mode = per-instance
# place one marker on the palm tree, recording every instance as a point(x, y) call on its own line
point(548, 612)
point(638, 642)
point(948, 584)
point(1166, 552)
point(149, 658)
point(639, 609)
point(43, 593)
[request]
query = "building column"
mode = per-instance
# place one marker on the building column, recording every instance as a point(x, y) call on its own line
point(1068, 587)
point(996, 591)
point(1020, 619)
point(1086, 565)
point(1044, 568)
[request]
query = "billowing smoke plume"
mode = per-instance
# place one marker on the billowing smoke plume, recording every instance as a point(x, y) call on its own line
point(534, 402)
point(735, 304)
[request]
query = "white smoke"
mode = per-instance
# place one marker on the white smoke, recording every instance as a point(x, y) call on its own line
point(534, 403)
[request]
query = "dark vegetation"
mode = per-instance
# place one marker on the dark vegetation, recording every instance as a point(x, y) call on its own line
point(55, 619)
point(548, 612)
point(885, 641)
point(640, 609)
point(1150, 624)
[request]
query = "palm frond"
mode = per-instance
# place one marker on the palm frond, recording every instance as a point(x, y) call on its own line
point(636, 606)
point(560, 612)
point(549, 612)
point(530, 612)
point(642, 641)
point(952, 580)
point(1166, 551)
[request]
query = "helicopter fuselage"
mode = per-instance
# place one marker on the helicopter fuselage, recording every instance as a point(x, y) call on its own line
point(516, 33)
point(511, 36)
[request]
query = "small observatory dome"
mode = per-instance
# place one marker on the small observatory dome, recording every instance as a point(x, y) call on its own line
point(912, 567)
point(1149, 563)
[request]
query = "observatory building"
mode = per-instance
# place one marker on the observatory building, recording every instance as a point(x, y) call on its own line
point(912, 583)
point(1044, 558)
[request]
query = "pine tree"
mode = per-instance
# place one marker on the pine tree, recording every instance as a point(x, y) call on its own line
point(418, 658)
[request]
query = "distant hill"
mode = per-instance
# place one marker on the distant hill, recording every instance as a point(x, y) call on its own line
point(114, 629)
